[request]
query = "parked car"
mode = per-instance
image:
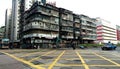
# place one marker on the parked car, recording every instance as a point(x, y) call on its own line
point(108, 46)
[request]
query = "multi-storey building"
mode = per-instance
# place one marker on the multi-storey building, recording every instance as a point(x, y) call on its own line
point(106, 32)
point(18, 8)
point(14, 24)
point(41, 24)
point(8, 20)
point(118, 33)
point(2, 32)
point(88, 29)
point(66, 24)
point(77, 27)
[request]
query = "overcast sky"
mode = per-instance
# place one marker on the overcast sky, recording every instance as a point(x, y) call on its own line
point(105, 9)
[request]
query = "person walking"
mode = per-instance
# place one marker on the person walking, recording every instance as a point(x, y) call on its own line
point(72, 45)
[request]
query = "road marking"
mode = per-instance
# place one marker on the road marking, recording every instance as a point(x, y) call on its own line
point(104, 65)
point(82, 60)
point(54, 62)
point(26, 62)
point(107, 59)
point(61, 65)
point(41, 55)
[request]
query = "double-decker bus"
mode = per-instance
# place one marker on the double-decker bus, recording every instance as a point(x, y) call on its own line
point(4, 43)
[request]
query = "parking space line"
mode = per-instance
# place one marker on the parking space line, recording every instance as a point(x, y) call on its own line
point(41, 55)
point(107, 59)
point(104, 65)
point(54, 62)
point(62, 65)
point(23, 61)
point(82, 60)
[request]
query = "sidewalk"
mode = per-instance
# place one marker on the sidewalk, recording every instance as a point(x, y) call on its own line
point(7, 62)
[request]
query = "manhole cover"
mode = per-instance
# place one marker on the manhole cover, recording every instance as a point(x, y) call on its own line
point(37, 62)
point(46, 57)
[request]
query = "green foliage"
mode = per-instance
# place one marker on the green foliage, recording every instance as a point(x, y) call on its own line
point(118, 44)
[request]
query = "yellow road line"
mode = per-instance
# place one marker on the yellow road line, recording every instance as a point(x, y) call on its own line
point(26, 62)
point(54, 62)
point(61, 65)
point(82, 60)
point(41, 55)
point(104, 65)
point(107, 59)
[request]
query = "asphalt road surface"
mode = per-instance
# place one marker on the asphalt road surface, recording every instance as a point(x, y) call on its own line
point(93, 58)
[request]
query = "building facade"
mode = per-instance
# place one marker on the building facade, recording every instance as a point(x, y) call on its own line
point(2, 32)
point(44, 24)
point(34, 23)
point(65, 24)
point(8, 21)
point(18, 8)
point(77, 28)
point(106, 32)
point(41, 24)
point(88, 29)
point(118, 33)
point(15, 21)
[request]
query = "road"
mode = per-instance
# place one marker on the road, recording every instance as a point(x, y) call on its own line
point(93, 58)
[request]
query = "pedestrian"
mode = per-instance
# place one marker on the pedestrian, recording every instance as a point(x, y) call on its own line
point(72, 45)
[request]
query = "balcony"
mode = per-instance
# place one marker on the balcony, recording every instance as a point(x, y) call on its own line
point(40, 35)
point(44, 26)
point(68, 37)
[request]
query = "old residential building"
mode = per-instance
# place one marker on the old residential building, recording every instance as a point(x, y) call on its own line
point(41, 24)
point(88, 29)
point(77, 28)
point(66, 24)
